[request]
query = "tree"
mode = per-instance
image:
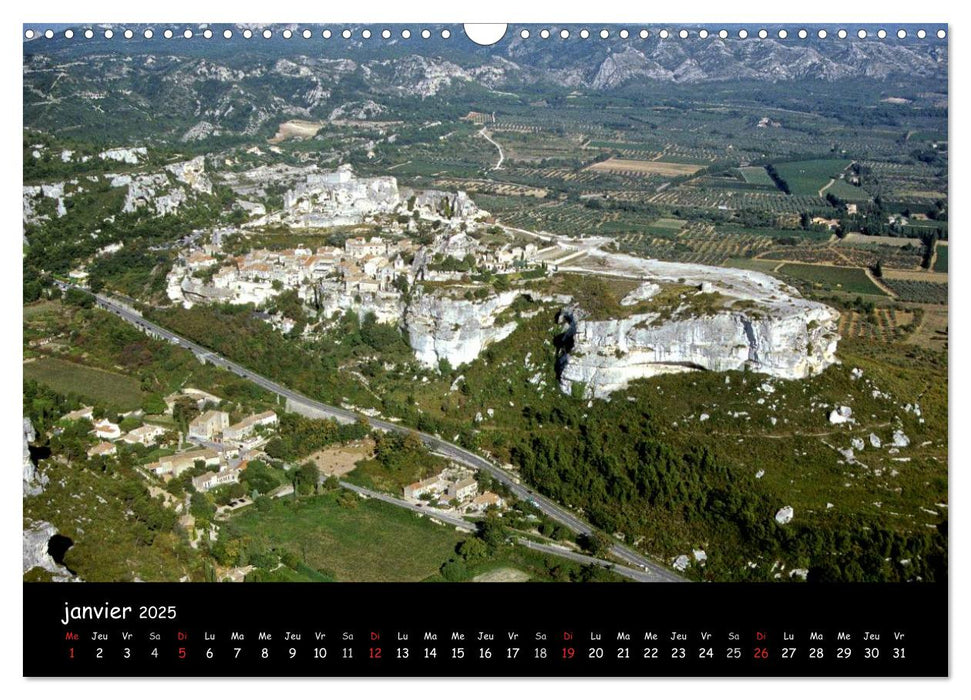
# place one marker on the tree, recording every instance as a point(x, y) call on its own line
point(154, 404)
point(309, 477)
point(472, 549)
point(183, 412)
point(453, 570)
point(597, 543)
point(79, 298)
point(492, 532)
point(259, 477)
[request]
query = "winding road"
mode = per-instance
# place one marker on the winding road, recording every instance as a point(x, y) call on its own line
point(485, 134)
point(653, 571)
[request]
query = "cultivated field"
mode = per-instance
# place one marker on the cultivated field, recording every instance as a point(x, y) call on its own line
point(852, 280)
point(645, 167)
point(96, 385)
point(756, 176)
point(367, 541)
point(940, 258)
point(918, 290)
point(808, 177)
point(884, 324)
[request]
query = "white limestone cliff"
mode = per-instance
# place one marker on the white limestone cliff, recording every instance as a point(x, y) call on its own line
point(34, 481)
point(772, 331)
point(440, 327)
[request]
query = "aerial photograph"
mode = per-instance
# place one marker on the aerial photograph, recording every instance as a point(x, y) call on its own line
point(376, 303)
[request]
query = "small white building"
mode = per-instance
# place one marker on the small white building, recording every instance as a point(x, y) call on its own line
point(83, 413)
point(211, 480)
point(103, 449)
point(147, 435)
point(463, 490)
point(486, 500)
point(245, 427)
point(433, 485)
point(106, 430)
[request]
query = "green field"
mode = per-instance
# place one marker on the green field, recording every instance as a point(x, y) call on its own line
point(919, 291)
point(766, 266)
point(807, 177)
point(797, 234)
point(96, 385)
point(940, 264)
point(373, 541)
point(848, 192)
point(756, 175)
point(844, 279)
point(665, 227)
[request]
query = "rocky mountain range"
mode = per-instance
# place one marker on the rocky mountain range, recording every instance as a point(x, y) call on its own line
point(237, 86)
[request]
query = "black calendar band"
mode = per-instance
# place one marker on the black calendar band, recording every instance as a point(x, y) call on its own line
point(349, 630)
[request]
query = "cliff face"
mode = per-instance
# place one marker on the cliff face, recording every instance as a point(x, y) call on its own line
point(441, 327)
point(36, 540)
point(607, 355)
point(34, 482)
point(758, 323)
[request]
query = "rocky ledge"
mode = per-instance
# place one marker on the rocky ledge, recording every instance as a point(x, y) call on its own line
point(714, 319)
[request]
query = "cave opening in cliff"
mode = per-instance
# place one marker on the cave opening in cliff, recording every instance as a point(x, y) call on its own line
point(57, 547)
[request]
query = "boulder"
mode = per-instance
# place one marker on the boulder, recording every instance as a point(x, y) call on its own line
point(841, 414)
point(681, 562)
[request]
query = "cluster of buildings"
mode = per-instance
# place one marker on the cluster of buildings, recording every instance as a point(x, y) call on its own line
point(450, 488)
point(109, 433)
point(217, 441)
point(496, 259)
point(361, 266)
point(213, 426)
point(222, 442)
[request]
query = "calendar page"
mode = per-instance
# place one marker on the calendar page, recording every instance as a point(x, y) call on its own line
point(485, 350)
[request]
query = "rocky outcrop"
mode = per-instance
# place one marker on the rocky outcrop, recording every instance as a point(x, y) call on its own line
point(34, 481)
point(449, 204)
point(192, 173)
point(37, 554)
point(607, 355)
point(440, 327)
point(34, 194)
point(131, 156)
point(773, 330)
point(157, 191)
point(338, 198)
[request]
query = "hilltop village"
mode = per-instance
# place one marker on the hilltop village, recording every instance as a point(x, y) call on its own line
point(445, 273)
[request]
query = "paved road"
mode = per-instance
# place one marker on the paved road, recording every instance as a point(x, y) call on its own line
point(435, 444)
point(635, 574)
point(431, 513)
point(460, 523)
